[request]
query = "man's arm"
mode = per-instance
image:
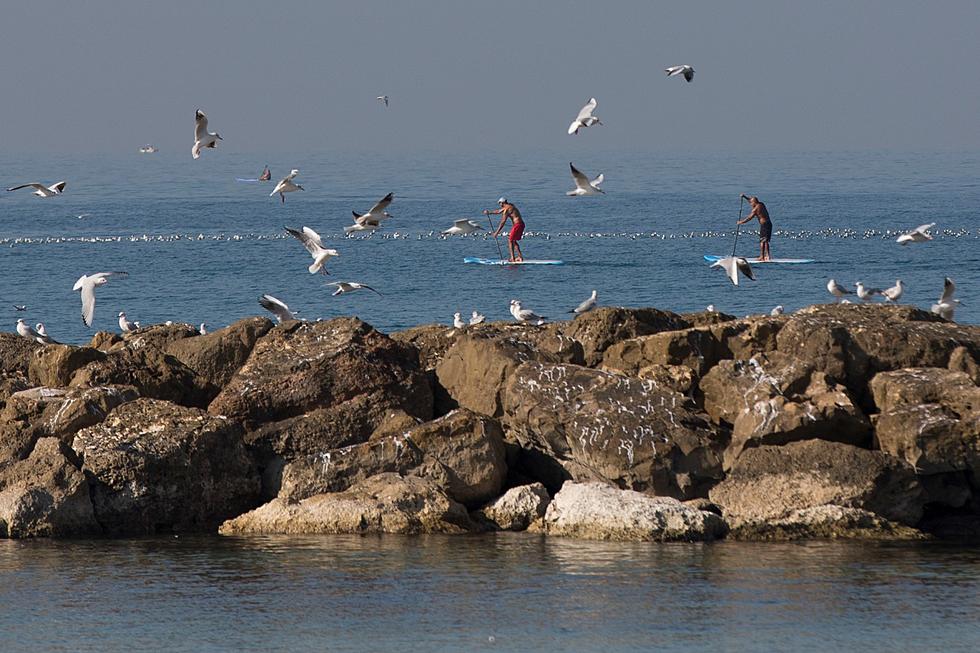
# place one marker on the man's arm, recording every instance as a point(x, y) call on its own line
point(750, 216)
point(500, 227)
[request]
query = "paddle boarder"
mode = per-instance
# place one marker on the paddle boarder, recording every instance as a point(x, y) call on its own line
point(508, 211)
point(760, 212)
point(266, 174)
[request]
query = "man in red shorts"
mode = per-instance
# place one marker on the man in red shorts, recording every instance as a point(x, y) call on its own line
point(509, 211)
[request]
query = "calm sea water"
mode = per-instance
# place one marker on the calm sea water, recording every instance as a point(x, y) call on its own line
point(201, 247)
point(507, 593)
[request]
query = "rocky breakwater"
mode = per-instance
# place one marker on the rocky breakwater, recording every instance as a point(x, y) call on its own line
point(834, 421)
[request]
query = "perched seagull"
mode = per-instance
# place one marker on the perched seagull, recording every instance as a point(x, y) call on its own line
point(125, 325)
point(203, 329)
point(458, 321)
point(383, 98)
point(585, 117)
point(776, 311)
point(277, 308)
point(946, 305)
point(20, 307)
point(838, 290)
point(26, 330)
point(377, 212)
point(918, 235)
point(525, 315)
point(732, 265)
point(710, 308)
point(476, 318)
point(582, 184)
point(86, 285)
point(585, 306)
point(349, 286)
point(463, 227)
point(286, 185)
point(866, 294)
point(311, 241)
point(202, 137)
point(894, 293)
point(43, 191)
point(42, 335)
point(687, 71)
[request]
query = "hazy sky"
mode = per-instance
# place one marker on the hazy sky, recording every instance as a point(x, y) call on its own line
point(286, 76)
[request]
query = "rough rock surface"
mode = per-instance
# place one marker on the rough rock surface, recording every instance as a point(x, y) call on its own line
point(56, 364)
point(601, 512)
point(152, 372)
point(768, 483)
point(218, 355)
point(157, 467)
point(15, 353)
point(386, 503)
point(603, 327)
point(606, 427)
point(517, 509)
point(826, 522)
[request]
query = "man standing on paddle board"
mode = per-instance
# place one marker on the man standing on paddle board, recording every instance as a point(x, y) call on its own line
point(508, 210)
point(765, 225)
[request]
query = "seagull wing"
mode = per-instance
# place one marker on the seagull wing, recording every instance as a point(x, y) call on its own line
point(34, 185)
point(309, 238)
point(730, 266)
point(948, 289)
point(88, 300)
point(104, 276)
point(923, 228)
point(689, 74)
point(382, 204)
point(581, 181)
point(59, 187)
point(361, 285)
point(587, 110)
point(276, 307)
point(745, 268)
point(598, 180)
point(200, 126)
point(673, 70)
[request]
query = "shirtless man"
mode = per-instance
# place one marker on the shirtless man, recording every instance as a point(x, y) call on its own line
point(765, 225)
point(508, 210)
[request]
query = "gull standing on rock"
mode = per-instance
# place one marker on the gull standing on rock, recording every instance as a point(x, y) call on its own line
point(203, 329)
point(286, 185)
point(585, 117)
point(349, 286)
point(687, 71)
point(463, 227)
point(918, 235)
point(42, 335)
point(732, 265)
point(26, 330)
point(202, 137)
point(586, 305)
point(311, 241)
point(43, 191)
point(894, 293)
point(86, 285)
point(582, 184)
point(946, 306)
point(838, 290)
point(866, 294)
point(458, 321)
point(476, 318)
point(525, 315)
point(277, 308)
point(125, 325)
point(776, 311)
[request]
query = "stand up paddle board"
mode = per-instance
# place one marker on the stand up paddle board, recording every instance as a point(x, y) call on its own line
point(711, 258)
point(246, 181)
point(497, 261)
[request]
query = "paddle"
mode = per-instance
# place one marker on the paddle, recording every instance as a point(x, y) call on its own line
point(741, 198)
point(500, 252)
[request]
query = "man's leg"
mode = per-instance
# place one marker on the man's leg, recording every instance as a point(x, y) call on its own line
point(520, 254)
point(510, 248)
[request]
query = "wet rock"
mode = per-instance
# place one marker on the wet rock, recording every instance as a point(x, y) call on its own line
point(56, 364)
point(218, 355)
point(598, 511)
point(386, 503)
point(158, 467)
point(517, 509)
point(607, 427)
point(827, 522)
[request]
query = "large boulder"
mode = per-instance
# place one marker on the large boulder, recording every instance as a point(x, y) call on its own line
point(157, 467)
point(386, 503)
point(154, 373)
point(600, 426)
point(56, 364)
point(46, 495)
point(15, 353)
point(218, 355)
point(768, 483)
point(431, 341)
point(603, 327)
point(598, 511)
point(517, 509)
point(826, 522)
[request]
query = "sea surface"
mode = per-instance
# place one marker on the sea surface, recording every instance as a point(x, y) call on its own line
point(200, 246)
point(511, 592)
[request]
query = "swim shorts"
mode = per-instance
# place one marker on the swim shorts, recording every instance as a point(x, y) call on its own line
point(765, 231)
point(516, 232)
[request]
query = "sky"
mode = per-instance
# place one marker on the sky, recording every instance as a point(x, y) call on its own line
point(282, 76)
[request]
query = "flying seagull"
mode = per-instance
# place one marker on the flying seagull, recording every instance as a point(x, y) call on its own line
point(918, 235)
point(838, 290)
point(363, 224)
point(582, 184)
point(202, 137)
point(383, 98)
point(476, 318)
point(687, 71)
point(377, 212)
point(732, 265)
point(286, 185)
point(946, 305)
point(586, 306)
point(26, 330)
point(277, 308)
point(463, 227)
point(350, 286)
point(894, 293)
point(20, 307)
point(525, 315)
point(311, 241)
point(43, 191)
point(42, 335)
point(86, 285)
point(585, 117)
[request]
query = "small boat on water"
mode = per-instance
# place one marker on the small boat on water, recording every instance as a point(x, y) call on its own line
point(148, 149)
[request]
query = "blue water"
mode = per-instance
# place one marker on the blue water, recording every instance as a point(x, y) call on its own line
point(514, 592)
point(201, 247)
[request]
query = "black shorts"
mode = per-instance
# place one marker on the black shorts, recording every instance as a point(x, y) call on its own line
point(765, 232)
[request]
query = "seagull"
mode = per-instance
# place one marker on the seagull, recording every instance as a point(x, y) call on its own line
point(349, 286)
point(203, 329)
point(687, 71)
point(377, 212)
point(286, 185)
point(42, 335)
point(26, 330)
point(894, 293)
point(918, 235)
point(732, 265)
point(463, 227)
point(710, 308)
point(776, 311)
point(525, 315)
point(585, 306)
point(311, 241)
point(20, 307)
point(585, 117)
point(277, 308)
point(202, 137)
point(383, 98)
point(125, 325)
point(458, 321)
point(476, 318)
point(43, 191)
point(866, 294)
point(946, 305)
point(87, 284)
point(363, 224)
point(838, 290)
point(582, 184)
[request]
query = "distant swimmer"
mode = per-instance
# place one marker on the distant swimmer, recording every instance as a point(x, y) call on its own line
point(765, 225)
point(509, 211)
point(266, 175)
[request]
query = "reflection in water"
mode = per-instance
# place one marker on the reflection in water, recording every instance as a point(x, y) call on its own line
point(453, 593)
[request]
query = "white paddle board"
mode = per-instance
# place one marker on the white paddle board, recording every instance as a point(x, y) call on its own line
point(711, 258)
point(496, 261)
